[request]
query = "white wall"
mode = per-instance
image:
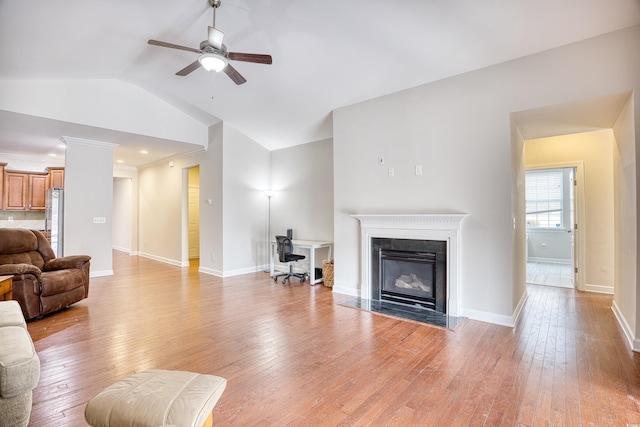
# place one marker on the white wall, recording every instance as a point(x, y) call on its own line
point(302, 177)
point(88, 193)
point(518, 236)
point(28, 163)
point(234, 171)
point(122, 218)
point(112, 104)
point(211, 214)
point(245, 177)
point(626, 298)
point(458, 129)
point(160, 197)
point(595, 151)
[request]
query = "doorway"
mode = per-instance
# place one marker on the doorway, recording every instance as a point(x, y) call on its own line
point(551, 225)
point(193, 213)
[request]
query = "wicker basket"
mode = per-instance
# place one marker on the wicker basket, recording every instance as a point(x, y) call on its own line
point(327, 273)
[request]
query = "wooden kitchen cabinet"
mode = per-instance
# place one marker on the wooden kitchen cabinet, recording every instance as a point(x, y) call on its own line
point(37, 191)
point(15, 191)
point(25, 191)
point(2, 165)
point(56, 177)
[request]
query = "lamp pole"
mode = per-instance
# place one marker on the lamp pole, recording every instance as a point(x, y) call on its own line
point(269, 194)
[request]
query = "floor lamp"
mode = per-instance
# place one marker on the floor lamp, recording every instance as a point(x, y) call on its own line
point(269, 194)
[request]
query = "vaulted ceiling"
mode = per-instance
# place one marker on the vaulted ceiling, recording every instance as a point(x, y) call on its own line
point(326, 54)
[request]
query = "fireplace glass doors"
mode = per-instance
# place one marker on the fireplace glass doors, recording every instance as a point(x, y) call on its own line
point(408, 277)
point(410, 272)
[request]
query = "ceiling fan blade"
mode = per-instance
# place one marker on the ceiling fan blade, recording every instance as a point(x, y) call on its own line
point(250, 57)
point(188, 69)
point(234, 75)
point(215, 38)
point(173, 46)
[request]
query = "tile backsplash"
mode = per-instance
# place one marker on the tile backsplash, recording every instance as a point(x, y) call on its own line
point(22, 219)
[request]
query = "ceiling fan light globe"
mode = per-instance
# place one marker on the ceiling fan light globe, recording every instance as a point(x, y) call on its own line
point(212, 62)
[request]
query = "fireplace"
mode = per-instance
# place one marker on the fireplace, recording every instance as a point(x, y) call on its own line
point(426, 246)
point(408, 277)
point(409, 271)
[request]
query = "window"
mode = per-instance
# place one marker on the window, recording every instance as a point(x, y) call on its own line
point(543, 204)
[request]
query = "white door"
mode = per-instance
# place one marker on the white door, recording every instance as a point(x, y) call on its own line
point(550, 199)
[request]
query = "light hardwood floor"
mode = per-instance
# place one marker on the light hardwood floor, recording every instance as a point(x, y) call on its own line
point(294, 357)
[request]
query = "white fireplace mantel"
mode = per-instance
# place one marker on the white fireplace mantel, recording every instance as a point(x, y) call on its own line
point(442, 227)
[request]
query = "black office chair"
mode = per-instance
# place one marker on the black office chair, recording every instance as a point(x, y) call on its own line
point(285, 254)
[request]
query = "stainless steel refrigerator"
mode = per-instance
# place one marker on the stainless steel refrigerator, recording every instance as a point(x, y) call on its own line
point(54, 219)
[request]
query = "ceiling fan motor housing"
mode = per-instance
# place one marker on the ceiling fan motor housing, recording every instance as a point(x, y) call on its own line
point(205, 47)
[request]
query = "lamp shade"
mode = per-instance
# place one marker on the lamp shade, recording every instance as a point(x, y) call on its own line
point(212, 61)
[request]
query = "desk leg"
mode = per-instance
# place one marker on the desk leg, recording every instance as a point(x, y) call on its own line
point(312, 266)
point(271, 260)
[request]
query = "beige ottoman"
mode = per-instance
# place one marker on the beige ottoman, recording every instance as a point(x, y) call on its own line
point(157, 398)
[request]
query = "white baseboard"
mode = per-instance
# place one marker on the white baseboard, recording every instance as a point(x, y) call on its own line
point(344, 290)
point(498, 319)
point(121, 249)
point(164, 260)
point(518, 310)
point(483, 316)
point(634, 343)
point(231, 273)
point(100, 273)
point(242, 271)
point(210, 271)
point(599, 289)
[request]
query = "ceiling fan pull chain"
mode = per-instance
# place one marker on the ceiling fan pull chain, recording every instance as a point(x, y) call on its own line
point(213, 77)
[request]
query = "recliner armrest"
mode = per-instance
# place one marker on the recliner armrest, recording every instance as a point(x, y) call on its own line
point(17, 269)
point(62, 263)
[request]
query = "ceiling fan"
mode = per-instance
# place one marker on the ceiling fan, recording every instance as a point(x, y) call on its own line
point(214, 55)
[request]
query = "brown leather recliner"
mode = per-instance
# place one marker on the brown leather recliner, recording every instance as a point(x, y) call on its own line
point(42, 283)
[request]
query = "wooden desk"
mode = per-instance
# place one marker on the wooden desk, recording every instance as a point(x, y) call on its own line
point(6, 288)
point(312, 246)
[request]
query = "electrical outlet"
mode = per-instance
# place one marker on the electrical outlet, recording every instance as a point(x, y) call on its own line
point(418, 169)
point(99, 220)
point(391, 172)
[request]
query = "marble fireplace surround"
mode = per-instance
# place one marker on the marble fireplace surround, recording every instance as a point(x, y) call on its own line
point(442, 227)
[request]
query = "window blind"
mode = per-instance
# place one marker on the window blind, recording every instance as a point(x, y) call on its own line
point(543, 198)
